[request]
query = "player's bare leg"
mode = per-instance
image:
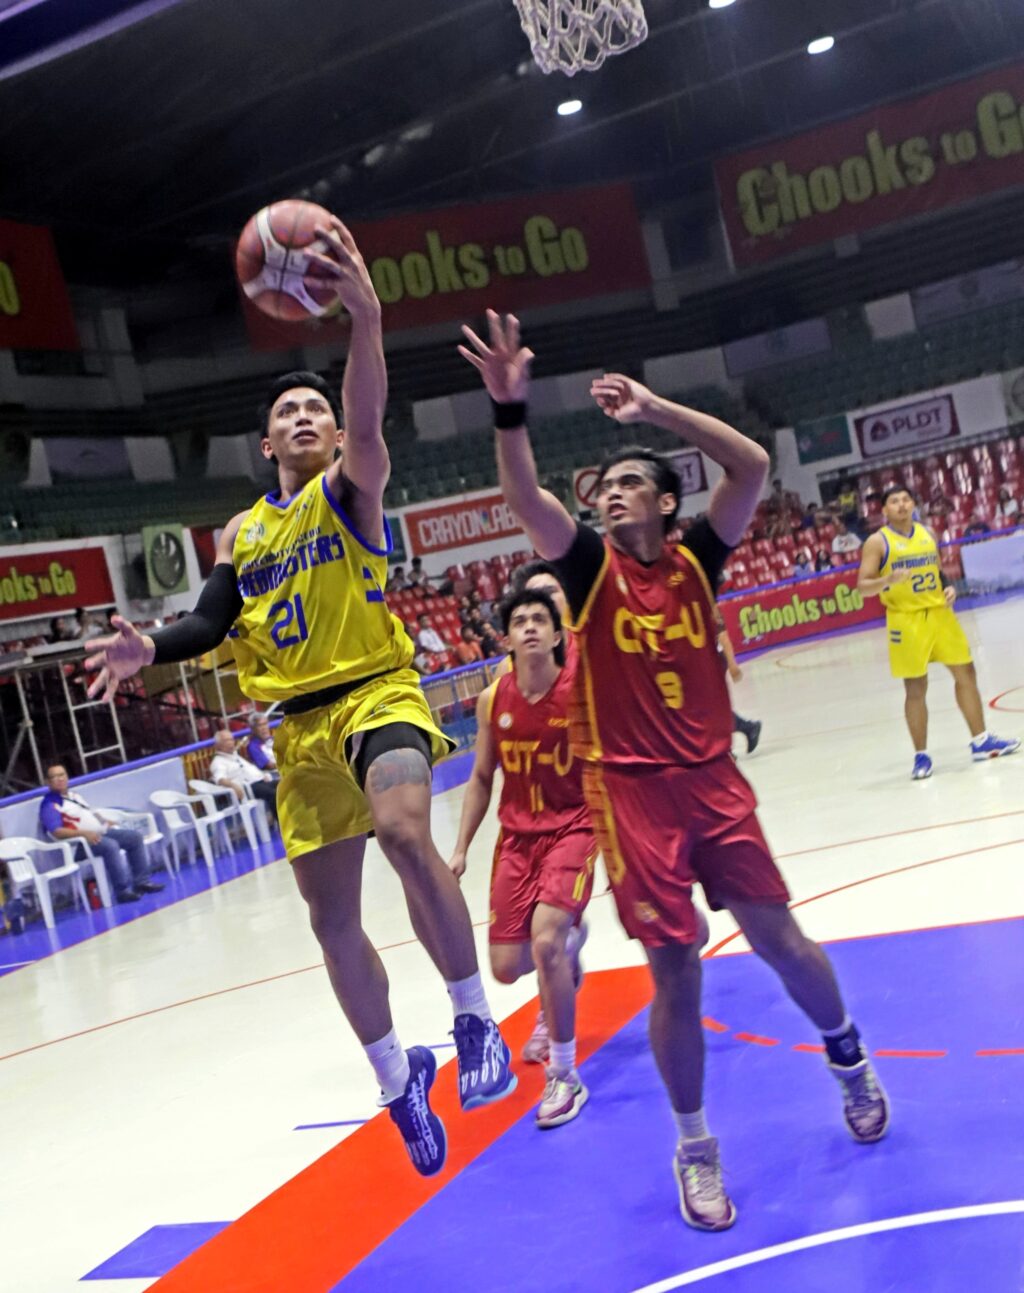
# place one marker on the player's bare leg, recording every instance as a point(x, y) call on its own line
point(968, 698)
point(330, 880)
point(677, 1040)
point(564, 1094)
point(915, 707)
point(807, 974)
point(398, 792)
point(510, 961)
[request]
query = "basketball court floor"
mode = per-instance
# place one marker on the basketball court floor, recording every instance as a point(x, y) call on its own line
point(185, 1110)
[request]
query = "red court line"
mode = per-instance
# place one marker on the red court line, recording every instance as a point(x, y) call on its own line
point(891, 835)
point(1007, 1050)
point(713, 1026)
point(317, 1227)
point(913, 1055)
point(755, 1040)
point(809, 1048)
point(1007, 709)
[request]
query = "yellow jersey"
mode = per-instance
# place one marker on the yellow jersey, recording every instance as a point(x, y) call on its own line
point(918, 554)
point(313, 611)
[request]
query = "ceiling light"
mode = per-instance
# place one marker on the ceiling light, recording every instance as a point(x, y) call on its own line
point(570, 106)
point(720, 4)
point(822, 45)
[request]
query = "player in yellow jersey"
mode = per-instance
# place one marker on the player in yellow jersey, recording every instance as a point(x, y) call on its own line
point(299, 576)
point(900, 563)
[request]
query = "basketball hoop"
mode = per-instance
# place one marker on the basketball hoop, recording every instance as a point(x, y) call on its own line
point(578, 35)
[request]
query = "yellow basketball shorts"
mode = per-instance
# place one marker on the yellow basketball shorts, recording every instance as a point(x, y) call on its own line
point(920, 638)
point(319, 800)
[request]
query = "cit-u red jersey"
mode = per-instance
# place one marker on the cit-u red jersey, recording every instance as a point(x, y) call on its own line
point(649, 686)
point(543, 783)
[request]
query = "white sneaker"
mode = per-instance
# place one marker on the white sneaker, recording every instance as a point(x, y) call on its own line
point(702, 1197)
point(538, 1045)
point(563, 1098)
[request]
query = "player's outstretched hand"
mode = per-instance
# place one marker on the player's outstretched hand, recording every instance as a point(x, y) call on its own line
point(457, 865)
point(116, 657)
point(622, 398)
point(342, 264)
point(504, 365)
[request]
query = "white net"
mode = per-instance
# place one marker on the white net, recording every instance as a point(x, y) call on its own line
point(578, 35)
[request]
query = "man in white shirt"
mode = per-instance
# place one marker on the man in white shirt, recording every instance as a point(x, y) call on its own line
point(846, 542)
point(228, 768)
point(428, 638)
point(65, 815)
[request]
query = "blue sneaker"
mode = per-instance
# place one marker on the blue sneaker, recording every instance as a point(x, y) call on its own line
point(421, 1128)
point(485, 1073)
point(922, 767)
point(993, 747)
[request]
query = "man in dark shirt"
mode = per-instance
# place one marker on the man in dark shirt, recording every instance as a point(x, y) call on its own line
point(653, 720)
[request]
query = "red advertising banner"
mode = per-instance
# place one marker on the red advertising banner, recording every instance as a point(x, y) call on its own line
point(906, 426)
point(43, 583)
point(35, 310)
point(433, 266)
point(895, 161)
point(798, 609)
point(457, 523)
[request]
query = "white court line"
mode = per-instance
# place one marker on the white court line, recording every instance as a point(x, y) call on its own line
point(833, 1237)
point(13, 965)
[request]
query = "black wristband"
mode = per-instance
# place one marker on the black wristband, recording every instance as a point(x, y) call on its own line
point(509, 417)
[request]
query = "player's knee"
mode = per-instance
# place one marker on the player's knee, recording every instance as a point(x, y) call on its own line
point(548, 947)
point(505, 968)
point(331, 924)
point(405, 844)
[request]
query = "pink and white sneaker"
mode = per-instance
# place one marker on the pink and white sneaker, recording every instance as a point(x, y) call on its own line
point(702, 1197)
point(538, 1046)
point(865, 1104)
point(563, 1098)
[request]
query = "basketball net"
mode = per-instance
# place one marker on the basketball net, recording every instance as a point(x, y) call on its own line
point(578, 35)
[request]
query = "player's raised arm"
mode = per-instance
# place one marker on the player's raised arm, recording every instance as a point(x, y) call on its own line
point(504, 366)
point(744, 462)
point(364, 391)
point(124, 653)
point(478, 788)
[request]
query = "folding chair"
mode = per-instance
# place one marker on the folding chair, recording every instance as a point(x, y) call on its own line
point(244, 809)
point(21, 868)
point(180, 816)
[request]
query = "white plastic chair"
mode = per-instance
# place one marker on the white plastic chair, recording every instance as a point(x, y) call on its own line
point(89, 861)
point(181, 818)
point(145, 824)
point(244, 809)
point(21, 867)
point(259, 811)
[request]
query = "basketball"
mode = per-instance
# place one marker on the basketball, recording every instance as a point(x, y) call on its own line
point(272, 265)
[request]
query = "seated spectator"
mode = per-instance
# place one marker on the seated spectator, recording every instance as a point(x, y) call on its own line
point(823, 560)
point(846, 543)
point(260, 747)
point(976, 525)
point(89, 624)
point(1008, 508)
point(468, 650)
point(228, 768)
point(490, 643)
point(65, 815)
point(397, 582)
point(428, 638)
point(419, 579)
point(939, 505)
point(63, 629)
point(846, 499)
point(803, 563)
point(810, 516)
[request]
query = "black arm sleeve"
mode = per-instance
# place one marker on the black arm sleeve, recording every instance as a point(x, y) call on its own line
point(219, 605)
point(580, 566)
point(708, 548)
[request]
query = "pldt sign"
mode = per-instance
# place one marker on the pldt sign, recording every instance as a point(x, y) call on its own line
point(906, 426)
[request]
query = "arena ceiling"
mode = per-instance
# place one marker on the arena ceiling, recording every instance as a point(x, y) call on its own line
point(149, 139)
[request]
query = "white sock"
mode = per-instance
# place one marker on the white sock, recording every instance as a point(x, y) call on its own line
point(562, 1057)
point(390, 1064)
point(980, 739)
point(468, 996)
point(692, 1126)
point(838, 1031)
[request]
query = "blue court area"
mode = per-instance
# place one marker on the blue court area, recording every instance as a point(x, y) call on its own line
point(593, 1206)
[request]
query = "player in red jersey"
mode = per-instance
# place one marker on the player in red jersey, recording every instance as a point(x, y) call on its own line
point(543, 868)
point(670, 807)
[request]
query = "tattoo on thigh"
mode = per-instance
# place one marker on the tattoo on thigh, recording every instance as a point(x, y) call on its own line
point(397, 768)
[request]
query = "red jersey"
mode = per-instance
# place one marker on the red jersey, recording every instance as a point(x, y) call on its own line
point(650, 689)
point(543, 786)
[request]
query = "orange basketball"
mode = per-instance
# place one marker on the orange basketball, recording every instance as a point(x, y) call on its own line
point(272, 265)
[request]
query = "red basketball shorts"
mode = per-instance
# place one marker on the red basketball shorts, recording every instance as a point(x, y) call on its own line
point(661, 830)
point(556, 868)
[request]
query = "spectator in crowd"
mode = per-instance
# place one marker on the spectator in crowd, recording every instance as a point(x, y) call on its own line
point(803, 563)
point(1008, 509)
point(940, 506)
point(476, 621)
point(89, 624)
point(490, 643)
point(468, 650)
point(428, 638)
point(397, 583)
point(846, 499)
point(465, 606)
point(846, 543)
point(823, 560)
point(228, 768)
point(810, 516)
point(63, 629)
point(65, 815)
point(260, 747)
point(419, 579)
point(976, 525)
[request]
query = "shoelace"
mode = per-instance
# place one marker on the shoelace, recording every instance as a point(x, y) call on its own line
point(704, 1178)
point(863, 1090)
point(469, 1043)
